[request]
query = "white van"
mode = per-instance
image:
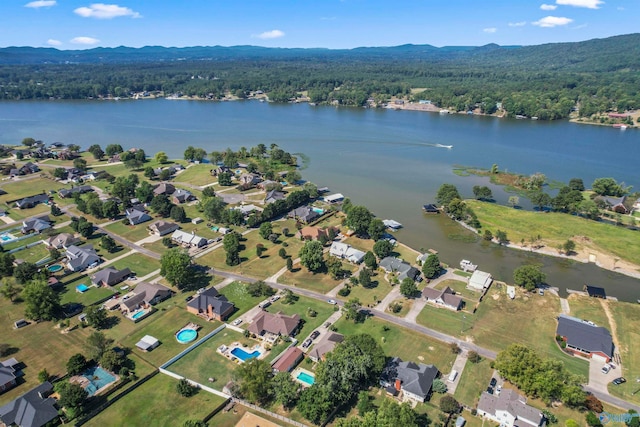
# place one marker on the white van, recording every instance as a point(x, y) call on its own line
point(453, 375)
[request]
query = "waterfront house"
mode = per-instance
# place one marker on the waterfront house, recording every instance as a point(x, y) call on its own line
point(446, 298)
point(136, 216)
point(211, 305)
point(289, 360)
point(509, 409)
point(269, 326)
point(36, 225)
point(182, 196)
point(273, 196)
point(396, 265)
point(31, 201)
point(81, 257)
point(28, 168)
point(8, 370)
point(69, 192)
point(479, 281)
point(584, 338)
point(33, 409)
point(344, 251)
point(145, 295)
point(304, 214)
point(160, 228)
point(413, 381)
point(188, 240)
point(164, 188)
point(325, 345)
point(249, 179)
point(110, 276)
point(615, 204)
point(61, 241)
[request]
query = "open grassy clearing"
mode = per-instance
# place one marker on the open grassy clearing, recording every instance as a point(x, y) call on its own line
point(406, 304)
point(140, 264)
point(33, 254)
point(556, 228)
point(18, 189)
point(588, 309)
point(398, 341)
point(236, 292)
point(303, 306)
point(473, 381)
point(445, 320)
point(318, 282)
point(142, 407)
point(374, 293)
point(197, 174)
point(460, 288)
point(132, 233)
point(87, 298)
point(627, 318)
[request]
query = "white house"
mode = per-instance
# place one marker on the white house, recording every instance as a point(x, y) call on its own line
point(479, 281)
point(344, 251)
point(509, 409)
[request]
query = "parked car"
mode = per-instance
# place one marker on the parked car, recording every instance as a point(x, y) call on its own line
point(236, 322)
point(274, 298)
point(327, 324)
point(619, 381)
point(332, 302)
point(498, 389)
point(493, 382)
point(605, 369)
point(189, 298)
point(315, 335)
point(490, 390)
point(540, 291)
point(306, 343)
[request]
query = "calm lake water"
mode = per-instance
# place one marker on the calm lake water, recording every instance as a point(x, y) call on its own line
point(384, 159)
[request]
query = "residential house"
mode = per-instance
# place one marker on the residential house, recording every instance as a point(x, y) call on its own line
point(81, 257)
point(188, 240)
point(211, 305)
point(249, 179)
point(221, 169)
point(36, 225)
point(445, 298)
point(268, 185)
point(181, 196)
point(160, 228)
point(136, 216)
point(273, 196)
point(615, 204)
point(344, 251)
point(74, 174)
point(164, 188)
point(69, 192)
point(508, 409)
point(61, 241)
point(8, 370)
point(584, 338)
point(396, 265)
point(315, 233)
point(31, 201)
point(270, 326)
point(28, 168)
point(246, 210)
point(413, 381)
point(304, 214)
point(325, 345)
point(32, 409)
point(479, 281)
point(334, 198)
point(289, 360)
point(145, 295)
point(110, 276)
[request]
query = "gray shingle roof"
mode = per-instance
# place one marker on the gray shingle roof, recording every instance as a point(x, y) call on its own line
point(510, 401)
point(415, 378)
point(585, 336)
point(210, 297)
point(31, 409)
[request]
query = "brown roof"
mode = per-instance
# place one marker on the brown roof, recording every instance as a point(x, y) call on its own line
point(447, 294)
point(288, 359)
point(326, 344)
point(279, 323)
point(314, 232)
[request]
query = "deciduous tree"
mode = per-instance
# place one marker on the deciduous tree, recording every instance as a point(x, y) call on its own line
point(311, 256)
point(528, 276)
point(176, 267)
point(41, 302)
point(431, 266)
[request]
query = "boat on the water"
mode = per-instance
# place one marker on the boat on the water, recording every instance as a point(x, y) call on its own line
point(444, 146)
point(389, 223)
point(467, 265)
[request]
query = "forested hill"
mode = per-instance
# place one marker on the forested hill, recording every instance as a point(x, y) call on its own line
point(547, 81)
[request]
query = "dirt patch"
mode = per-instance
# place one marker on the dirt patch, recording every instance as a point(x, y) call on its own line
point(495, 297)
point(612, 321)
point(420, 358)
point(430, 348)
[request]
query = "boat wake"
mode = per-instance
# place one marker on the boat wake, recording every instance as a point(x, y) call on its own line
point(443, 146)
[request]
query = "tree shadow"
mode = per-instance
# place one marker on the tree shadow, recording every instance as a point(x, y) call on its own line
point(110, 322)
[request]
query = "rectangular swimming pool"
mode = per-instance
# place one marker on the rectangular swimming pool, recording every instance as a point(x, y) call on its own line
point(138, 315)
point(82, 288)
point(306, 378)
point(243, 355)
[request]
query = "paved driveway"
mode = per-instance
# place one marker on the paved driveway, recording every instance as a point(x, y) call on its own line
point(598, 380)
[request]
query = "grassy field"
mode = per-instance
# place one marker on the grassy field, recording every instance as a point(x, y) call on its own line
point(140, 264)
point(236, 292)
point(318, 282)
point(33, 254)
point(406, 304)
point(143, 406)
point(197, 175)
point(588, 309)
point(398, 341)
point(460, 288)
point(28, 187)
point(371, 295)
point(556, 228)
point(302, 307)
point(444, 320)
point(87, 298)
point(627, 318)
point(473, 381)
point(132, 233)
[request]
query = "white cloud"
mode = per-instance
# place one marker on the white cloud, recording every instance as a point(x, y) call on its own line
point(589, 4)
point(490, 30)
point(548, 7)
point(40, 3)
point(84, 40)
point(552, 21)
point(105, 11)
point(54, 42)
point(517, 24)
point(273, 34)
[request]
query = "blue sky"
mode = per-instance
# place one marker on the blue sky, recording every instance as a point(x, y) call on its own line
point(73, 24)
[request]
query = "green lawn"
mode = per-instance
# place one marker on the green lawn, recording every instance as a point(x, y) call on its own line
point(28, 187)
point(140, 264)
point(627, 317)
point(132, 233)
point(236, 292)
point(376, 292)
point(197, 174)
point(157, 403)
point(398, 341)
point(556, 228)
point(473, 381)
point(301, 307)
point(460, 288)
point(588, 308)
point(406, 304)
point(445, 320)
point(20, 214)
point(87, 298)
point(319, 282)
point(33, 254)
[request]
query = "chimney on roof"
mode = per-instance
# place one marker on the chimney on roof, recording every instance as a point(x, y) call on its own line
point(398, 384)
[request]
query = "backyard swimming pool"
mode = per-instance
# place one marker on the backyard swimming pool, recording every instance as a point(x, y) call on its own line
point(318, 210)
point(186, 335)
point(138, 315)
point(6, 237)
point(82, 288)
point(306, 378)
point(55, 267)
point(97, 378)
point(243, 355)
